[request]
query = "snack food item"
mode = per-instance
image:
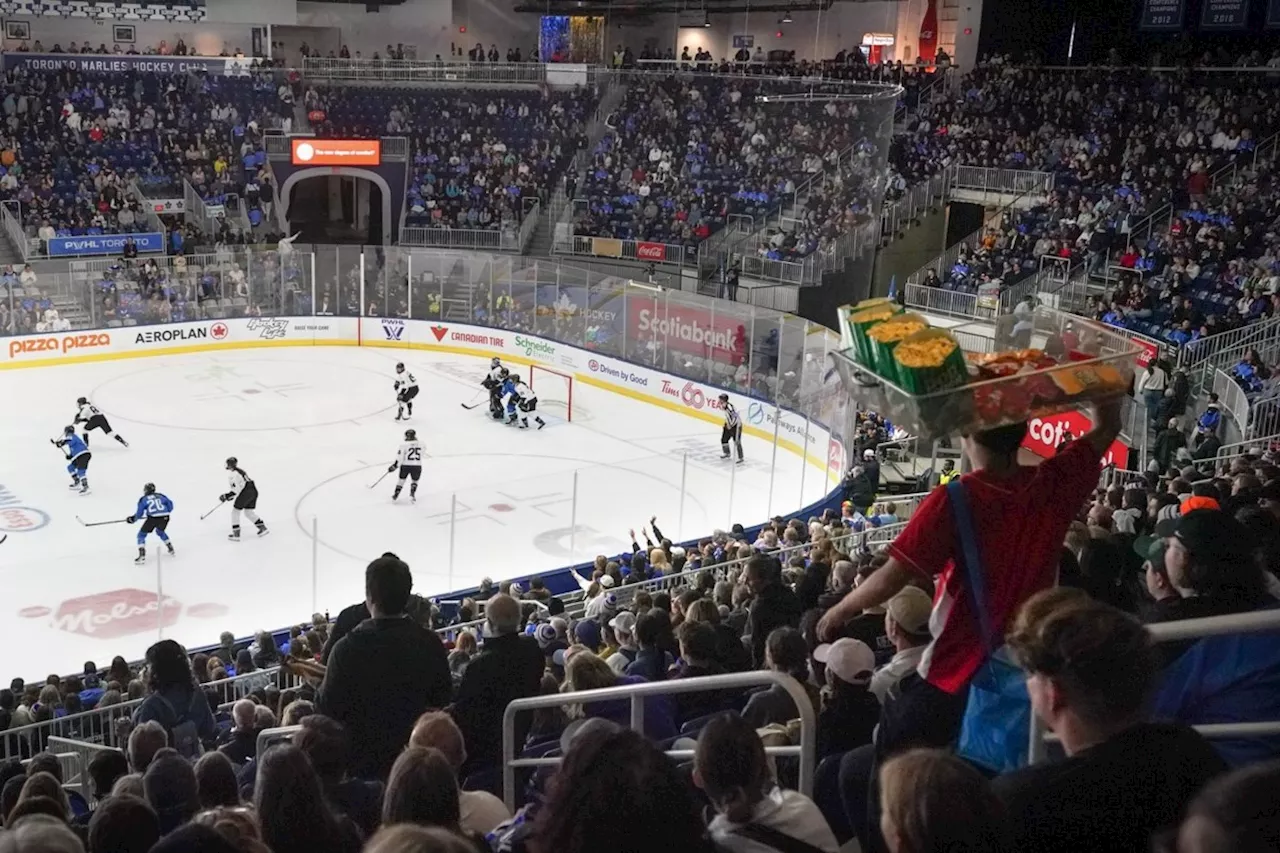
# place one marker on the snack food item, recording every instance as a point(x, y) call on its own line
point(1092, 378)
point(928, 361)
point(884, 337)
point(861, 321)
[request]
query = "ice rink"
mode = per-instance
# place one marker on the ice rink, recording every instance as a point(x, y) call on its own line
point(314, 427)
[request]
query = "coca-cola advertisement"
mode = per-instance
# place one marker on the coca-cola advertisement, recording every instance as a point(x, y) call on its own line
point(1044, 435)
point(651, 252)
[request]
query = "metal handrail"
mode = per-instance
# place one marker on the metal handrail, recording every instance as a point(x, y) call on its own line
point(102, 719)
point(1227, 451)
point(637, 693)
point(1233, 399)
point(1255, 622)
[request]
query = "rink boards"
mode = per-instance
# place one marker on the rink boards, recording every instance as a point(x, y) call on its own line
point(795, 433)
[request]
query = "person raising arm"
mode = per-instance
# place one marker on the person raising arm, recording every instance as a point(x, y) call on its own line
point(1020, 516)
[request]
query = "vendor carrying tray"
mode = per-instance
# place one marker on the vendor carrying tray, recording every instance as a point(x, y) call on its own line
point(1090, 362)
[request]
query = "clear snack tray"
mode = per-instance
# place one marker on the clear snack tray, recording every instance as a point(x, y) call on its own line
point(1090, 361)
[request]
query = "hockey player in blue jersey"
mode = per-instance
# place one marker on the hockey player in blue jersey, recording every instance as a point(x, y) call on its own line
point(78, 457)
point(155, 508)
point(508, 395)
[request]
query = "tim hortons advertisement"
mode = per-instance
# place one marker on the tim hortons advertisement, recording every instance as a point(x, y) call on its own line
point(1044, 435)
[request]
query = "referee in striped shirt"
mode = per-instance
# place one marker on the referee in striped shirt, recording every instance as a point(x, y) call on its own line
point(732, 428)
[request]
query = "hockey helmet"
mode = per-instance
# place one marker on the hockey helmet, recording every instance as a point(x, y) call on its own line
point(515, 377)
point(400, 367)
point(495, 361)
point(410, 435)
point(504, 373)
point(82, 401)
point(149, 489)
point(69, 430)
point(724, 398)
point(232, 462)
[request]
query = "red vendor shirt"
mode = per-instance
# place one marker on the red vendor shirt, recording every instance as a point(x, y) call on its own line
point(1020, 522)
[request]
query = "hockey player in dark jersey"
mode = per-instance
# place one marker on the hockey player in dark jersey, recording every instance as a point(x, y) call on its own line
point(155, 508)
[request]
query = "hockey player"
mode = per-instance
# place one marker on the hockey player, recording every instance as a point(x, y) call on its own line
point(406, 390)
point(409, 461)
point(88, 414)
point(732, 428)
point(508, 397)
point(526, 402)
point(493, 384)
point(155, 508)
point(78, 457)
point(245, 494)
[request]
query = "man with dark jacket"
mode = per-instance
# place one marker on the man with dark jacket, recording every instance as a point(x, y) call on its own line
point(385, 673)
point(1168, 442)
point(774, 606)
point(509, 667)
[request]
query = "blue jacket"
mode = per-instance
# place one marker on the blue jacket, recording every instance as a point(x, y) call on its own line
point(1228, 679)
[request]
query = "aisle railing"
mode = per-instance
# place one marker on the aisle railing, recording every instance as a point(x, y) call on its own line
point(635, 694)
point(1259, 622)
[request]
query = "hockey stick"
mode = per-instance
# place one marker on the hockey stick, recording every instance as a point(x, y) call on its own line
point(212, 511)
point(383, 477)
point(100, 523)
point(473, 405)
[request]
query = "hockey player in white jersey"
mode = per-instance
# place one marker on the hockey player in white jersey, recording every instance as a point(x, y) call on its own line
point(245, 494)
point(88, 414)
point(493, 384)
point(526, 403)
point(406, 390)
point(409, 461)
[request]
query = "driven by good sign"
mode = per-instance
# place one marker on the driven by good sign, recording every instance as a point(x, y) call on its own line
point(1045, 434)
point(337, 152)
point(58, 344)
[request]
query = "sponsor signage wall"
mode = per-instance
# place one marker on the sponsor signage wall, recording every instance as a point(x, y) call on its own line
point(337, 152)
point(1045, 434)
point(104, 244)
point(120, 64)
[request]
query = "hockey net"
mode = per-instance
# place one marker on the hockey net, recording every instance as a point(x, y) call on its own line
point(554, 389)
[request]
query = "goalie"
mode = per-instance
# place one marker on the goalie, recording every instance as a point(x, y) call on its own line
point(493, 384)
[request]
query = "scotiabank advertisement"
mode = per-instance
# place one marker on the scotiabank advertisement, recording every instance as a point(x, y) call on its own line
point(1045, 434)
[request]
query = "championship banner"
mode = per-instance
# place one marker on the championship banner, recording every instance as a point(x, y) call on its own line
point(606, 247)
point(1162, 15)
point(97, 63)
point(104, 244)
point(1273, 14)
point(1224, 14)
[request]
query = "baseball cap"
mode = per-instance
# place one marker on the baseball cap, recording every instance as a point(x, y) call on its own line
point(911, 609)
point(868, 454)
point(606, 581)
point(1151, 549)
point(1209, 534)
point(1196, 502)
point(624, 622)
point(852, 661)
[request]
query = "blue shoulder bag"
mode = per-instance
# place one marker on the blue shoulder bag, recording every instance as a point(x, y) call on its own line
point(996, 729)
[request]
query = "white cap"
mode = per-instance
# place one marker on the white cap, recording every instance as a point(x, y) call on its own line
point(606, 581)
point(851, 660)
point(868, 454)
